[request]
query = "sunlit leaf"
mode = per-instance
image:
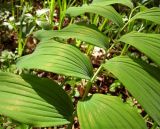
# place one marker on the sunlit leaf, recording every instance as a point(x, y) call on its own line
point(108, 112)
point(78, 31)
point(109, 2)
point(152, 14)
point(105, 11)
point(34, 101)
point(147, 43)
point(58, 58)
point(142, 81)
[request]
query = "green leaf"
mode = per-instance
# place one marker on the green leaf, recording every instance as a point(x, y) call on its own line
point(109, 2)
point(142, 81)
point(81, 32)
point(105, 11)
point(108, 112)
point(152, 14)
point(146, 43)
point(59, 58)
point(34, 101)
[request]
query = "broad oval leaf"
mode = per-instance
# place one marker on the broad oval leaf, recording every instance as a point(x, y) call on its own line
point(105, 11)
point(34, 101)
point(108, 112)
point(59, 58)
point(146, 43)
point(109, 2)
point(152, 14)
point(142, 81)
point(81, 32)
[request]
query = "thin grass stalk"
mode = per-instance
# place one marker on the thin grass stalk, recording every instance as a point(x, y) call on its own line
point(63, 7)
point(95, 20)
point(13, 9)
point(60, 13)
point(20, 39)
point(20, 46)
point(125, 48)
point(103, 24)
point(52, 6)
point(70, 3)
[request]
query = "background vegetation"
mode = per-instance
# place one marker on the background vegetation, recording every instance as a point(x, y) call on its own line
point(81, 64)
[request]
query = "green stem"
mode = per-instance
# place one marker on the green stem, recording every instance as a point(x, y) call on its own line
point(60, 13)
point(72, 20)
point(60, 5)
point(89, 49)
point(96, 73)
point(145, 117)
point(20, 38)
point(70, 4)
point(88, 87)
point(90, 82)
point(52, 6)
point(128, 22)
point(124, 49)
point(63, 7)
point(110, 48)
point(91, 18)
point(20, 44)
point(150, 28)
point(95, 19)
point(13, 11)
point(119, 32)
point(103, 24)
point(154, 125)
point(133, 11)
